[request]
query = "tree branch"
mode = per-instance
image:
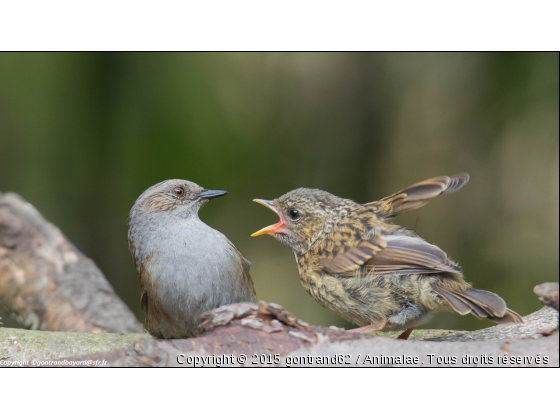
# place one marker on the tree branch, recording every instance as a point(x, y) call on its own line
point(248, 329)
point(47, 283)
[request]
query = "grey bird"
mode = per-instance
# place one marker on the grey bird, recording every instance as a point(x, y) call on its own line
point(185, 267)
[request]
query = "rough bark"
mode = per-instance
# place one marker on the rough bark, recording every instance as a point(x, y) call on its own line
point(47, 283)
point(260, 332)
point(266, 330)
point(548, 294)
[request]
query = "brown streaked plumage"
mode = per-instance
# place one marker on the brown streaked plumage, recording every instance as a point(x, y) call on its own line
point(355, 262)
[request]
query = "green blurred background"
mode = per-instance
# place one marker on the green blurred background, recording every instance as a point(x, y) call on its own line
point(82, 135)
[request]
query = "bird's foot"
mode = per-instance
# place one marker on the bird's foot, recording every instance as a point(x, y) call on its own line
point(369, 328)
point(406, 334)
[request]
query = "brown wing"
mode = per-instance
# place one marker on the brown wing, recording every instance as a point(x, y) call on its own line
point(406, 254)
point(140, 269)
point(418, 195)
point(400, 254)
point(144, 300)
point(353, 258)
point(246, 282)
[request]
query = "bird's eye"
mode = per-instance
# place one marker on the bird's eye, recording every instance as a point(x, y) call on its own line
point(293, 214)
point(179, 192)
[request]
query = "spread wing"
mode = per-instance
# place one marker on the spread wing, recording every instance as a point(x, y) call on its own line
point(390, 254)
point(418, 195)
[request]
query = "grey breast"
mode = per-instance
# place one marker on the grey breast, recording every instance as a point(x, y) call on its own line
point(199, 270)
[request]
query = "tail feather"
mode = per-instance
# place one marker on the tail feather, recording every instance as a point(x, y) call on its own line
point(510, 317)
point(476, 309)
point(480, 303)
point(489, 301)
point(457, 304)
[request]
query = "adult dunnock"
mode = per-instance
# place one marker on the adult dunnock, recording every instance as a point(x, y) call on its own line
point(185, 267)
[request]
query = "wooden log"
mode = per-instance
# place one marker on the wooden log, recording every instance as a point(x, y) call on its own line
point(266, 335)
point(47, 283)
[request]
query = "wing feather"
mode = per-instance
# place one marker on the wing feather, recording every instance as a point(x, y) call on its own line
point(390, 254)
point(353, 258)
point(418, 195)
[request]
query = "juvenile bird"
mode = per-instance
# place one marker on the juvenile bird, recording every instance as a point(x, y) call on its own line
point(185, 267)
point(355, 262)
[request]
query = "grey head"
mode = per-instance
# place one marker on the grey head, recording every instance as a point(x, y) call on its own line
point(185, 267)
point(162, 208)
point(175, 198)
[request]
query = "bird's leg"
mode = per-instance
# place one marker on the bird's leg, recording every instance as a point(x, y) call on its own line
point(370, 328)
point(406, 334)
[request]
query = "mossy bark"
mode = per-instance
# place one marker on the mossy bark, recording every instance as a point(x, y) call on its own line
point(269, 330)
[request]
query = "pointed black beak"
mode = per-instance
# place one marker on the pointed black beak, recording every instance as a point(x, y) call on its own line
point(210, 194)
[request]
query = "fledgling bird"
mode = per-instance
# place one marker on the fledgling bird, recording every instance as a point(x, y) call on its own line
point(185, 267)
point(354, 261)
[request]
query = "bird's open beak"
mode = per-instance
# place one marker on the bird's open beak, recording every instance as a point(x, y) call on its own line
point(210, 194)
point(272, 229)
